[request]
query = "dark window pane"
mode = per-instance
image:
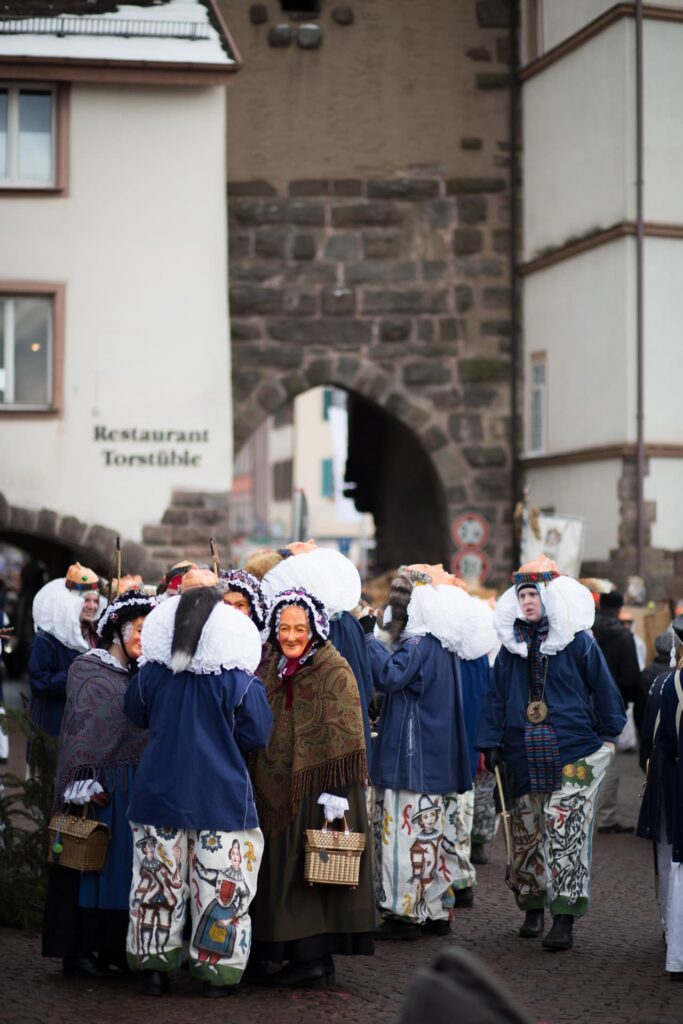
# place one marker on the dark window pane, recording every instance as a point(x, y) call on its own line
point(282, 480)
point(35, 135)
point(2, 350)
point(3, 133)
point(31, 351)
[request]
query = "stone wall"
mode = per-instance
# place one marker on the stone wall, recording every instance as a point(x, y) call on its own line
point(397, 288)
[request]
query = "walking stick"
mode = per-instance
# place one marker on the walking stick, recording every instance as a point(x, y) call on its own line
point(115, 568)
point(506, 819)
point(214, 555)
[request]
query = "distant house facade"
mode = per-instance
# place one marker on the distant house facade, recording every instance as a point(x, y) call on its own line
point(115, 371)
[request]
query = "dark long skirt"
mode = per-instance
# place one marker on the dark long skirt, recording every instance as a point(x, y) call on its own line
point(69, 929)
point(296, 922)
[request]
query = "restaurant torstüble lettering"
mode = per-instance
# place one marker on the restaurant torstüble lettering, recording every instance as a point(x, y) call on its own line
point(170, 455)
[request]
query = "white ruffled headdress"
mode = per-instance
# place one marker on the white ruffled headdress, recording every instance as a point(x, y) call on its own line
point(461, 623)
point(57, 611)
point(323, 572)
point(228, 640)
point(568, 604)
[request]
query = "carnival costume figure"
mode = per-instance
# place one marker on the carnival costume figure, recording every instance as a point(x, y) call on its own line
point(63, 614)
point(661, 817)
point(421, 761)
point(335, 581)
point(552, 717)
point(99, 751)
point(192, 803)
point(316, 755)
point(246, 594)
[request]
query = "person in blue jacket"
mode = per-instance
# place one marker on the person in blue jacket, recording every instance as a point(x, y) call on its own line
point(63, 614)
point(551, 717)
point(669, 745)
point(420, 762)
point(196, 838)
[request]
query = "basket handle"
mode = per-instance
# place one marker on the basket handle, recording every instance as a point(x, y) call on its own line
point(347, 830)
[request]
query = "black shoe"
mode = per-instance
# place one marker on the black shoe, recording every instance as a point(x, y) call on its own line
point(464, 898)
point(82, 966)
point(533, 924)
point(437, 927)
point(479, 854)
point(305, 974)
point(560, 935)
point(616, 829)
point(676, 975)
point(392, 928)
point(155, 983)
point(217, 991)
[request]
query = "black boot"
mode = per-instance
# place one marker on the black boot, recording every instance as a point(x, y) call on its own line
point(560, 935)
point(155, 983)
point(533, 924)
point(304, 974)
point(440, 927)
point(464, 898)
point(217, 991)
point(82, 965)
point(394, 928)
point(479, 854)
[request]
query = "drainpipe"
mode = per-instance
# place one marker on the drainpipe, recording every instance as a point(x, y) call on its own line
point(640, 443)
point(515, 367)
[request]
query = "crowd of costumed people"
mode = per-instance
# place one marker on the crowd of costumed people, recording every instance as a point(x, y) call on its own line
point(213, 725)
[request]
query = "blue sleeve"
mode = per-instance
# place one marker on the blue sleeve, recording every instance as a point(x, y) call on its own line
point(492, 720)
point(667, 738)
point(394, 672)
point(253, 717)
point(609, 707)
point(44, 673)
point(653, 703)
point(135, 701)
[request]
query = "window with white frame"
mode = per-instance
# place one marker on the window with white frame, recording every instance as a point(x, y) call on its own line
point(27, 136)
point(26, 357)
point(537, 405)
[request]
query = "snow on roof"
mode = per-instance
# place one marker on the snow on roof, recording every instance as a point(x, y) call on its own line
point(168, 31)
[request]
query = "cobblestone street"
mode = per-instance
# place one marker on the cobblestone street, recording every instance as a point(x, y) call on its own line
point(615, 974)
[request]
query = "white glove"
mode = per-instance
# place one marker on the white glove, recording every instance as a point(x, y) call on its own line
point(334, 806)
point(81, 792)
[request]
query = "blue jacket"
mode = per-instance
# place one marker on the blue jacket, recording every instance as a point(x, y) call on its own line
point(584, 706)
point(658, 799)
point(346, 634)
point(48, 668)
point(421, 742)
point(671, 745)
point(192, 774)
point(476, 679)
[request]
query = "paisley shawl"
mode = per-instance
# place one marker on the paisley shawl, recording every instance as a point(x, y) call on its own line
point(316, 745)
point(96, 737)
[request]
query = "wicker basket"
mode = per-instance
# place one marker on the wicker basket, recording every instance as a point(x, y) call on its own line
point(83, 842)
point(333, 857)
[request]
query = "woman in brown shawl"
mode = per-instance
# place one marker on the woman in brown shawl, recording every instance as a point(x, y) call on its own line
point(316, 755)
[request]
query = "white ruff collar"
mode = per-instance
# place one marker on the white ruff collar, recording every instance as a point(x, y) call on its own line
point(57, 611)
point(106, 658)
point(323, 572)
point(461, 623)
point(229, 640)
point(568, 604)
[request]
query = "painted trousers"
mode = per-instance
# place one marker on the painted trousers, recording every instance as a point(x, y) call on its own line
point(485, 821)
point(213, 874)
point(422, 851)
point(552, 839)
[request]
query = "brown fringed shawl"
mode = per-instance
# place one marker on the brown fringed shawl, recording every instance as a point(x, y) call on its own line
point(317, 744)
